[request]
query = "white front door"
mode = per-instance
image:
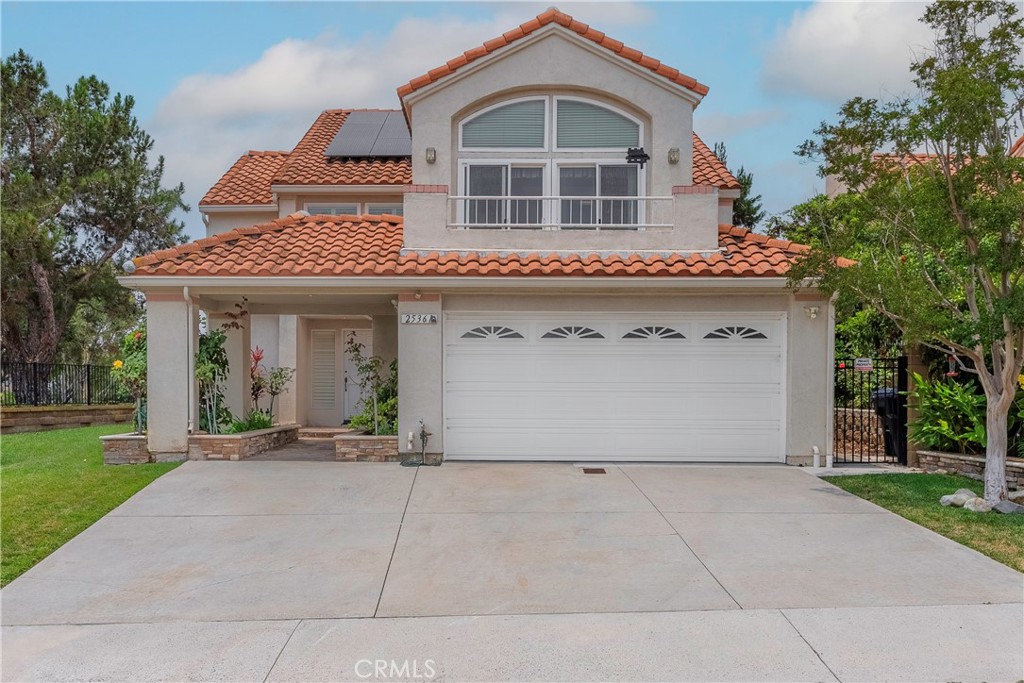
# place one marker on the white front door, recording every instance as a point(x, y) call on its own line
point(353, 395)
point(326, 379)
point(615, 386)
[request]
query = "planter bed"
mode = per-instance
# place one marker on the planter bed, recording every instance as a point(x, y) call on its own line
point(972, 466)
point(240, 446)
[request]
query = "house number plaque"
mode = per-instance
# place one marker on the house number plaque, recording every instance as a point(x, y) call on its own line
point(419, 318)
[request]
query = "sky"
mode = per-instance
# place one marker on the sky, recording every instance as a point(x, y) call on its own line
point(213, 80)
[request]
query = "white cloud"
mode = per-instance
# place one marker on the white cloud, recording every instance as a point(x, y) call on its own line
point(712, 127)
point(209, 119)
point(836, 50)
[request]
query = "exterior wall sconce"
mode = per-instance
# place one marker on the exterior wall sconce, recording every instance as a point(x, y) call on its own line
point(811, 312)
point(673, 155)
point(431, 155)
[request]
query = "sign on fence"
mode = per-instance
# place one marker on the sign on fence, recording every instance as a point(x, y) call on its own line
point(863, 365)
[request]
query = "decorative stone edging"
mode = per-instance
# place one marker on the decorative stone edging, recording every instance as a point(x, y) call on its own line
point(366, 448)
point(15, 419)
point(972, 466)
point(240, 446)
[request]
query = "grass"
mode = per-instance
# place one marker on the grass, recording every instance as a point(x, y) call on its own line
point(54, 485)
point(916, 497)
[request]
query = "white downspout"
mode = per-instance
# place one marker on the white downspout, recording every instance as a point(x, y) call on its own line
point(190, 398)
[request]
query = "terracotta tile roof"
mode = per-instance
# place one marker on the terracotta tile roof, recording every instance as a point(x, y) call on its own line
point(708, 169)
point(342, 246)
point(553, 16)
point(248, 181)
point(307, 164)
point(1017, 149)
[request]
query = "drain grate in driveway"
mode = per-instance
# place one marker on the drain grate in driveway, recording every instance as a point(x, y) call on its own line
point(594, 470)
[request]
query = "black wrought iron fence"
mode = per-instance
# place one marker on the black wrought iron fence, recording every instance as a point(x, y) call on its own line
point(42, 384)
point(870, 410)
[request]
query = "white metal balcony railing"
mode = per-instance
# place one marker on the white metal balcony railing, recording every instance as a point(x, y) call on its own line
point(559, 213)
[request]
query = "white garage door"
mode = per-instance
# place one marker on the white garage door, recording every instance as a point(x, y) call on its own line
point(614, 387)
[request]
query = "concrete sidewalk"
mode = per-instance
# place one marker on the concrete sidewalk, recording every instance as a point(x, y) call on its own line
point(303, 570)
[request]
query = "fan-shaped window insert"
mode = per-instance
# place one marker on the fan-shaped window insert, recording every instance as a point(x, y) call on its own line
point(573, 332)
point(588, 126)
point(654, 332)
point(492, 332)
point(518, 125)
point(735, 332)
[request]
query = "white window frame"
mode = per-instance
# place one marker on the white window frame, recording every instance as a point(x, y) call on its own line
point(463, 184)
point(553, 125)
point(318, 207)
point(533, 98)
point(641, 183)
point(368, 212)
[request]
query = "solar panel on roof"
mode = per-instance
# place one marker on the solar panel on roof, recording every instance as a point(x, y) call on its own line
point(371, 134)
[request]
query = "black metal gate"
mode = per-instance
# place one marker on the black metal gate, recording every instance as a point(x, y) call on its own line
point(870, 410)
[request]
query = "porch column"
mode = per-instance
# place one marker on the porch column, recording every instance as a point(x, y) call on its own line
point(238, 345)
point(287, 357)
point(171, 323)
point(385, 338)
point(420, 377)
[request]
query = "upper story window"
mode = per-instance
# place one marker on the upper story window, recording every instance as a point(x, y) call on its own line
point(549, 161)
point(549, 122)
point(333, 209)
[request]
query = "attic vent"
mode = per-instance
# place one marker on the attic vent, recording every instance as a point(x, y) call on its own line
point(372, 134)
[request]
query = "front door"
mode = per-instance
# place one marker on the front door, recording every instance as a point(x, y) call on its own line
point(326, 378)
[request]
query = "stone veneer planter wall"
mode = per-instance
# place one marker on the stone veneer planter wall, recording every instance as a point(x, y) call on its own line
point(972, 466)
point(366, 448)
point(14, 419)
point(125, 449)
point(240, 446)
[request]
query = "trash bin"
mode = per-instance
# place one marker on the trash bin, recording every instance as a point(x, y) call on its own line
point(888, 408)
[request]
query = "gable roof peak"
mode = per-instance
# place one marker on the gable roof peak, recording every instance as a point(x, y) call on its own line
point(550, 16)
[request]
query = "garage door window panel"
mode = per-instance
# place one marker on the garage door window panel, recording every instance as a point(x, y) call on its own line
point(734, 332)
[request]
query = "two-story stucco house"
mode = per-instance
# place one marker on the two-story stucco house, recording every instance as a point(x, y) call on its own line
point(544, 244)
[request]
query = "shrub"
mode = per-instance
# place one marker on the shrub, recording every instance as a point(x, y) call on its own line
point(129, 371)
point(256, 419)
point(950, 416)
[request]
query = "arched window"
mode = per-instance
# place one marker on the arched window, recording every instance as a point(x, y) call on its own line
point(517, 125)
point(585, 125)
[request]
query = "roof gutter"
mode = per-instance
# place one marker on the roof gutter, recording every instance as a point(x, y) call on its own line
point(326, 282)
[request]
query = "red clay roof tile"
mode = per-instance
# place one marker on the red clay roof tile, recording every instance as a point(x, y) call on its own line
point(247, 182)
point(307, 165)
point(708, 169)
point(553, 16)
point(347, 246)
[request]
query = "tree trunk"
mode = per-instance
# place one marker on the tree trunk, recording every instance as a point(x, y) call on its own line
point(995, 450)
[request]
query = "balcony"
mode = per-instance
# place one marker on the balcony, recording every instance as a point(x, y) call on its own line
point(438, 222)
point(559, 213)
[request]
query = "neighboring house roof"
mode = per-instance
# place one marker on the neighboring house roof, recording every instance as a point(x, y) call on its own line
point(307, 164)
point(346, 246)
point(1017, 149)
point(248, 181)
point(553, 16)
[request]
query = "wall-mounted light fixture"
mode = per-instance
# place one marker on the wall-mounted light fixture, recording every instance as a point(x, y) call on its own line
point(431, 155)
point(673, 155)
point(418, 295)
point(811, 312)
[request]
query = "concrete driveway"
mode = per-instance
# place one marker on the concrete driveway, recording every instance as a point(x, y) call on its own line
point(320, 571)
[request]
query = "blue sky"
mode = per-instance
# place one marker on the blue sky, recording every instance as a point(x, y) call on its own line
point(212, 80)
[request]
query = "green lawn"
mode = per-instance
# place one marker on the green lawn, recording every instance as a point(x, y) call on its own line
point(916, 497)
point(53, 485)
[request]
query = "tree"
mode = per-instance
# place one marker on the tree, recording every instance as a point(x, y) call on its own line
point(746, 210)
point(79, 195)
point(936, 222)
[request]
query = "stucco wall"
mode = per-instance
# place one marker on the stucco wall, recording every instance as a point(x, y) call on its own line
point(218, 222)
